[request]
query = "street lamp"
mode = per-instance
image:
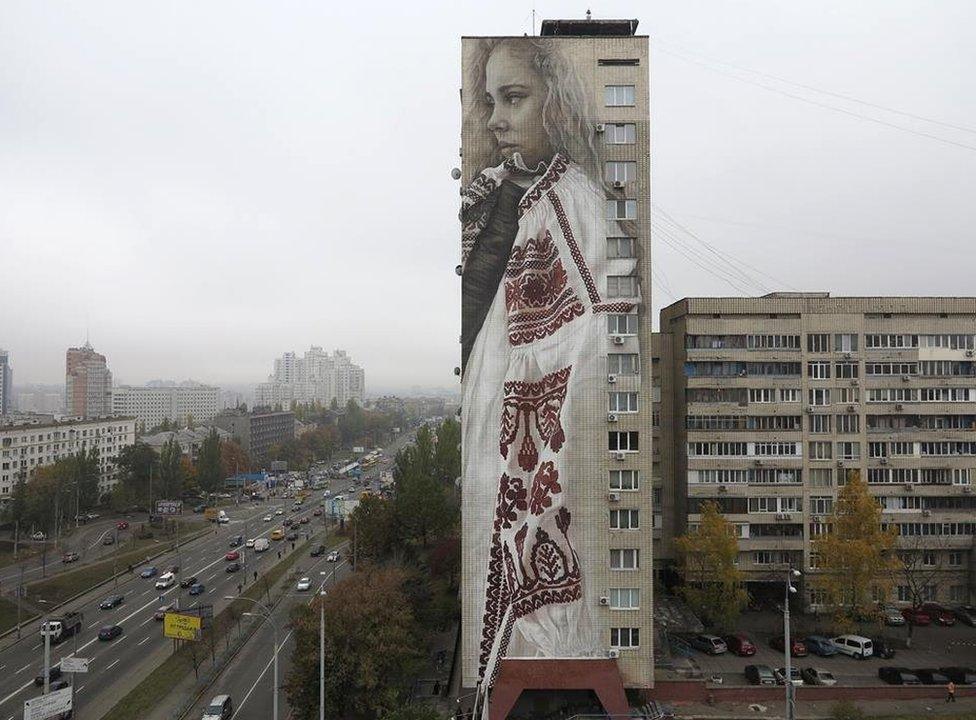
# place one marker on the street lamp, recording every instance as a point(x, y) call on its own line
point(274, 626)
point(322, 641)
point(791, 574)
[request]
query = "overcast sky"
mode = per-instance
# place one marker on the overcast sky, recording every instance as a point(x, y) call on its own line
point(205, 185)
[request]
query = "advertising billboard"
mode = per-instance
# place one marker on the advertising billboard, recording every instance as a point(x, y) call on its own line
point(169, 507)
point(182, 627)
point(543, 205)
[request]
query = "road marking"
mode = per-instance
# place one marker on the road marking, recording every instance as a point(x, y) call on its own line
point(80, 689)
point(22, 669)
point(248, 694)
point(17, 691)
point(109, 667)
point(143, 640)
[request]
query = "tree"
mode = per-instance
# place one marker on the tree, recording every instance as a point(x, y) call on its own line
point(853, 556)
point(170, 470)
point(233, 458)
point(423, 506)
point(209, 471)
point(137, 463)
point(706, 562)
point(374, 540)
point(413, 712)
point(447, 453)
point(371, 648)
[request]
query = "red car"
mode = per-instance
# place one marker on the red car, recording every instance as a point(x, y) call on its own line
point(939, 615)
point(740, 645)
point(797, 647)
point(916, 617)
point(232, 555)
point(122, 525)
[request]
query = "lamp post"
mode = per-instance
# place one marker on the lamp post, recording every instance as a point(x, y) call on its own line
point(791, 574)
point(322, 641)
point(274, 626)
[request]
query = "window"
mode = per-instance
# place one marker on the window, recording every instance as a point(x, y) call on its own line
point(849, 450)
point(880, 342)
point(621, 171)
point(624, 598)
point(849, 424)
point(819, 396)
point(819, 451)
point(621, 247)
point(819, 423)
point(625, 559)
point(622, 324)
point(625, 480)
point(620, 133)
point(846, 370)
point(773, 342)
point(821, 477)
point(845, 343)
point(789, 394)
point(618, 95)
point(904, 592)
point(718, 449)
point(958, 594)
point(818, 343)
point(623, 364)
point(621, 209)
point(623, 402)
point(623, 441)
point(624, 520)
point(621, 286)
point(624, 637)
point(818, 370)
point(849, 395)
point(821, 505)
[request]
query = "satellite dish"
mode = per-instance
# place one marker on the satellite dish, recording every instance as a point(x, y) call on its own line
point(456, 173)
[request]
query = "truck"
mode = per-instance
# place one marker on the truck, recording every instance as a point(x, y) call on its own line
point(211, 514)
point(62, 627)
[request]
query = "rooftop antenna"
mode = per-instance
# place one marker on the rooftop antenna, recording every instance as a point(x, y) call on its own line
point(533, 20)
point(588, 14)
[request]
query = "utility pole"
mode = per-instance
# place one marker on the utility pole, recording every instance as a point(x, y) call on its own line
point(20, 594)
point(788, 645)
point(47, 656)
point(322, 653)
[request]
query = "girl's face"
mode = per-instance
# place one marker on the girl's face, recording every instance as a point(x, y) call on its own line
point(516, 93)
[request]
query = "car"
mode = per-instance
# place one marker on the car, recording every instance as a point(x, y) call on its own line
point(857, 646)
point(53, 673)
point(965, 614)
point(930, 676)
point(760, 675)
point(820, 645)
point(109, 632)
point(291, 536)
point(237, 541)
point(890, 615)
point(267, 518)
point(59, 685)
point(233, 567)
point(960, 675)
point(940, 614)
point(148, 572)
point(165, 580)
point(795, 676)
point(232, 555)
point(122, 525)
point(710, 644)
point(317, 511)
point(333, 556)
point(197, 589)
point(108, 540)
point(317, 551)
point(220, 708)
point(188, 581)
point(70, 557)
point(304, 520)
point(277, 534)
point(161, 611)
point(882, 648)
point(739, 644)
point(279, 511)
point(916, 616)
point(898, 676)
point(38, 536)
point(249, 543)
point(112, 601)
point(817, 676)
point(303, 584)
point(797, 648)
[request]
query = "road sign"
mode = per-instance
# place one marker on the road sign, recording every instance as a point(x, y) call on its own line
point(48, 706)
point(169, 507)
point(181, 627)
point(74, 664)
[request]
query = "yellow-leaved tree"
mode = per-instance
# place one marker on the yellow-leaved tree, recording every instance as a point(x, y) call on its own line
point(706, 562)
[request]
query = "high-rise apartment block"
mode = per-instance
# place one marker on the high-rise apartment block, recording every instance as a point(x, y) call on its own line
point(317, 377)
point(768, 402)
point(88, 383)
point(180, 404)
point(6, 384)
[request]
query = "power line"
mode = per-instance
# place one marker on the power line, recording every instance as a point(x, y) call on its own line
point(716, 271)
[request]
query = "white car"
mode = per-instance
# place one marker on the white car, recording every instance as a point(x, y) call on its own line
point(304, 584)
point(279, 511)
point(267, 518)
point(333, 556)
point(165, 580)
point(38, 536)
point(249, 543)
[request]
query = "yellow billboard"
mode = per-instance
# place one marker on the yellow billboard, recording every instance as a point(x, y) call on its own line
point(181, 627)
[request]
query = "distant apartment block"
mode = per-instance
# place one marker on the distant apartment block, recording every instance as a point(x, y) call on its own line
point(257, 431)
point(189, 439)
point(315, 377)
point(180, 404)
point(27, 446)
point(88, 383)
point(6, 384)
point(768, 402)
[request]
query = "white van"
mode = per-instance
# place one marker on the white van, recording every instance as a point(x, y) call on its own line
point(261, 544)
point(222, 518)
point(165, 580)
point(856, 646)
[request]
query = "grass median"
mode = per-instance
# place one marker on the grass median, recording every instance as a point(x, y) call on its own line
point(148, 694)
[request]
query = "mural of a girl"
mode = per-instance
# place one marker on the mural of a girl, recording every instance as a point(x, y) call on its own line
point(533, 350)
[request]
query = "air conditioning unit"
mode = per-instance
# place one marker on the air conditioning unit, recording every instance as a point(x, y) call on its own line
point(899, 408)
point(809, 409)
point(722, 489)
point(618, 184)
point(618, 340)
point(970, 353)
point(613, 496)
point(854, 383)
point(884, 461)
point(905, 378)
point(926, 513)
point(611, 378)
point(600, 127)
point(611, 417)
point(848, 355)
point(851, 409)
point(909, 487)
point(604, 600)
point(840, 463)
point(620, 455)
point(613, 653)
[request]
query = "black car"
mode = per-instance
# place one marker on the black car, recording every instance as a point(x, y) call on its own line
point(58, 685)
point(317, 551)
point(109, 632)
point(965, 614)
point(187, 582)
point(882, 648)
point(931, 676)
point(108, 540)
point(53, 674)
point(233, 567)
point(760, 675)
point(237, 541)
point(291, 536)
point(111, 601)
point(898, 676)
point(960, 675)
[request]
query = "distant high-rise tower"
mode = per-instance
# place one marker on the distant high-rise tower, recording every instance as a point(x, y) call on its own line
point(87, 383)
point(6, 384)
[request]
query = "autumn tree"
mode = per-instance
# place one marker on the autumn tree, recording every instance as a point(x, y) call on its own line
point(707, 557)
point(170, 470)
point(375, 536)
point(854, 560)
point(233, 458)
point(210, 473)
point(424, 504)
point(137, 463)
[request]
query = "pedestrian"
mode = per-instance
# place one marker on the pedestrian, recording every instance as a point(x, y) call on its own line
point(951, 692)
point(255, 576)
point(279, 554)
point(239, 588)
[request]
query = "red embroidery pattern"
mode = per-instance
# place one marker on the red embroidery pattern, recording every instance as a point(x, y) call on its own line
point(545, 484)
point(574, 250)
point(538, 404)
point(557, 169)
point(615, 307)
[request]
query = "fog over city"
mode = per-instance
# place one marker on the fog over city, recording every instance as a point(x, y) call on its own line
point(203, 186)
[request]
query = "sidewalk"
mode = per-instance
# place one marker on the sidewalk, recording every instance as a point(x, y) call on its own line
point(902, 709)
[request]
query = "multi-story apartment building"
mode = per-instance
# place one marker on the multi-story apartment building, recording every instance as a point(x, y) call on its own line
point(315, 377)
point(88, 383)
point(257, 431)
point(775, 399)
point(26, 446)
point(556, 206)
point(150, 405)
point(189, 439)
point(6, 384)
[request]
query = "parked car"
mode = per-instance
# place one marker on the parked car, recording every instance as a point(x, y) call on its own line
point(940, 614)
point(148, 572)
point(795, 676)
point(882, 648)
point(797, 648)
point(122, 525)
point(249, 543)
point(711, 644)
point(233, 567)
point(739, 644)
point(287, 522)
point(890, 615)
point(960, 675)
point(188, 581)
point(38, 536)
point(53, 673)
point(898, 676)
point(965, 614)
point(232, 555)
point(108, 540)
point(266, 518)
point(160, 613)
point(317, 551)
point(70, 557)
point(916, 616)
point(197, 589)
point(820, 645)
point(304, 520)
point(317, 511)
point(931, 676)
point(279, 511)
point(303, 584)
point(277, 534)
point(760, 675)
point(109, 632)
point(220, 708)
point(817, 676)
point(111, 601)
point(199, 508)
point(857, 646)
